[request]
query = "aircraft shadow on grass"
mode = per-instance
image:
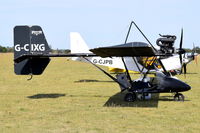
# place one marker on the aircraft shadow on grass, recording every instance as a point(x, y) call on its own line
point(118, 101)
point(169, 98)
point(50, 95)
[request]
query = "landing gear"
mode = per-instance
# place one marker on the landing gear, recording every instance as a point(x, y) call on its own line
point(130, 97)
point(179, 97)
point(144, 96)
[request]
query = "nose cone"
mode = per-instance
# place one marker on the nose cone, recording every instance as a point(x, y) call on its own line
point(176, 85)
point(187, 87)
point(182, 86)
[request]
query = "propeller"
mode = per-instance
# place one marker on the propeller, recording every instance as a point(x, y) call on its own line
point(181, 51)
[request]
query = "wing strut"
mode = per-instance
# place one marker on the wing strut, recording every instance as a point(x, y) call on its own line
point(127, 73)
point(143, 35)
point(113, 78)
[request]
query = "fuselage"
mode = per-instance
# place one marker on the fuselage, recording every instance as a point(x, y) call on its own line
point(160, 83)
point(170, 84)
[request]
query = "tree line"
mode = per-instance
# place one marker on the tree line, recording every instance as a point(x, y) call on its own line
point(6, 49)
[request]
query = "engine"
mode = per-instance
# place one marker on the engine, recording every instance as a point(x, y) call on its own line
point(166, 43)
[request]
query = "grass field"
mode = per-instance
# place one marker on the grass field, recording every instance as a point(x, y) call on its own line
point(58, 102)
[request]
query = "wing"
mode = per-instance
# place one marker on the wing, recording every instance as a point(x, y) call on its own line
point(130, 49)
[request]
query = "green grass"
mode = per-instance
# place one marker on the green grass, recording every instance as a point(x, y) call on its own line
point(56, 102)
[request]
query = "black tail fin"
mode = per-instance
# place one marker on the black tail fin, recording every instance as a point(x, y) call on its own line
point(30, 40)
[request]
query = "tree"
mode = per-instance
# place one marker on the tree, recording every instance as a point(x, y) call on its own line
point(197, 50)
point(6, 49)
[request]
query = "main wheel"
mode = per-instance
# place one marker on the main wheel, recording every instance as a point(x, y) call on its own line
point(130, 97)
point(179, 97)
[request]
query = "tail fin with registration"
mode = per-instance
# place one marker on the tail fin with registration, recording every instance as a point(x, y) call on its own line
point(30, 40)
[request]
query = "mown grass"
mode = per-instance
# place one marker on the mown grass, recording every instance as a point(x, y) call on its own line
point(58, 102)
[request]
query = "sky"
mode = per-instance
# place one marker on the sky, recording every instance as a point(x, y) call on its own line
point(102, 22)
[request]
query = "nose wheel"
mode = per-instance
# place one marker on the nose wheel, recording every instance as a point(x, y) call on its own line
point(130, 97)
point(179, 97)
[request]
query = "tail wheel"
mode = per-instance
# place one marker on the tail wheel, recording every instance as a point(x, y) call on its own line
point(179, 97)
point(130, 97)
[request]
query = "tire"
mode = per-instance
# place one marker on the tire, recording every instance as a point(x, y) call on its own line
point(179, 97)
point(130, 97)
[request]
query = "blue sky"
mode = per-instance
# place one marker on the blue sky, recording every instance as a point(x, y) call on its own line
point(102, 22)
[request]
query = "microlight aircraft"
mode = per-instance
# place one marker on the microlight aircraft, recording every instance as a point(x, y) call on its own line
point(175, 60)
point(32, 55)
point(115, 64)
